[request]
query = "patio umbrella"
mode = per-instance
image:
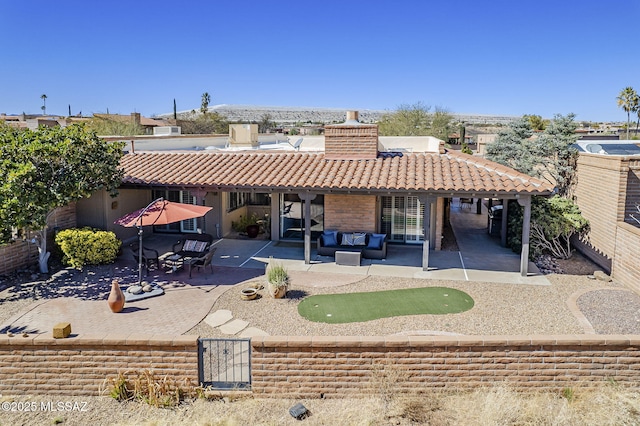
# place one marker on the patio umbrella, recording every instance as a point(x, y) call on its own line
point(159, 212)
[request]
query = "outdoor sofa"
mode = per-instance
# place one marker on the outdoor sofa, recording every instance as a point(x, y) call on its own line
point(371, 246)
point(193, 245)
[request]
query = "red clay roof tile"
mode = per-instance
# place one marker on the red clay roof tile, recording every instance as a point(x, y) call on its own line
point(449, 172)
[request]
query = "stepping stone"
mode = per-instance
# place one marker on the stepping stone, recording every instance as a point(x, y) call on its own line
point(218, 318)
point(233, 327)
point(253, 332)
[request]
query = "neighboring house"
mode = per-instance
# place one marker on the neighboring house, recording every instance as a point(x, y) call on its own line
point(135, 118)
point(607, 192)
point(399, 186)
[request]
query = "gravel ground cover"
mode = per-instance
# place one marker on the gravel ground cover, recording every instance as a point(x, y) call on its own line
point(499, 309)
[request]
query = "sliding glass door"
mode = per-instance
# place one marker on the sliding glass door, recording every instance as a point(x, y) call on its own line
point(190, 225)
point(402, 219)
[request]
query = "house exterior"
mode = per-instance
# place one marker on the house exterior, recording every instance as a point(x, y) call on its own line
point(357, 182)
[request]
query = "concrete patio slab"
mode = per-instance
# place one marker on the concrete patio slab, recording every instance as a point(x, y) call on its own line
point(233, 327)
point(219, 317)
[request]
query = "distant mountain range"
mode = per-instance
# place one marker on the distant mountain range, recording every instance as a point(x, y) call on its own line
point(313, 115)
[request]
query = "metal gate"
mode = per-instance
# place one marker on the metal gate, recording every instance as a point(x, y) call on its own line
point(225, 363)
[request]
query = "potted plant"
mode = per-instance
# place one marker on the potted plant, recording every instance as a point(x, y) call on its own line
point(277, 280)
point(248, 224)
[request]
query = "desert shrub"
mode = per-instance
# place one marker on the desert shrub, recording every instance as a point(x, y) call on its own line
point(87, 246)
point(277, 275)
point(553, 222)
point(146, 387)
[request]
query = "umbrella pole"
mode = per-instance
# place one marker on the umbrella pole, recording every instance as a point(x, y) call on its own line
point(140, 255)
point(140, 238)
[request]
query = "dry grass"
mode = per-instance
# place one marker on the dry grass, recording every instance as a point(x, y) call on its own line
point(386, 405)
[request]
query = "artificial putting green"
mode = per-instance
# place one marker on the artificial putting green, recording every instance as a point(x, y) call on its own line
point(359, 307)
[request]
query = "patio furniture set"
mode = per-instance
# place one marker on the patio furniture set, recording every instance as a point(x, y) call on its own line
point(349, 247)
point(194, 252)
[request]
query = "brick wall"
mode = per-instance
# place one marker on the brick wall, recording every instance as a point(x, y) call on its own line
point(79, 365)
point(22, 254)
point(607, 192)
point(17, 255)
point(600, 190)
point(336, 366)
point(350, 212)
point(626, 263)
point(358, 141)
point(331, 366)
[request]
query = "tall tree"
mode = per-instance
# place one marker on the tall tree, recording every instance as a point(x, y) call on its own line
point(48, 168)
point(44, 104)
point(416, 120)
point(204, 107)
point(628, 100)
point(537, 122)
point(266, 123)
point(548, 155)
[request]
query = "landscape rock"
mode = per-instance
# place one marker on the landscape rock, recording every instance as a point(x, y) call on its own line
point(135, 289)
point(601, 276)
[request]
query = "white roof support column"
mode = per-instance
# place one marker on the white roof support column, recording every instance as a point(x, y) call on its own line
point(307, 198)
point(525, 202)
point(427, 201)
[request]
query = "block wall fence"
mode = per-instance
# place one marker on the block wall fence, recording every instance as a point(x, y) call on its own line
point(607, 193)
point(79, 365)
point(314, 367)
point(23, 254)
point(336, 366)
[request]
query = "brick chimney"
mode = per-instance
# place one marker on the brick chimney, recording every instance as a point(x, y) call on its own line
point(351, 140)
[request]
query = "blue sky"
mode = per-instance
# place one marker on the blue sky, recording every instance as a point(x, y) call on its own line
point(486, 57)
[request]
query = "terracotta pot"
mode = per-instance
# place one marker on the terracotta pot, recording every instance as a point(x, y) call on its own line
point(116, 297)
point(277, 292)
point(252, 231)
point(249, 294)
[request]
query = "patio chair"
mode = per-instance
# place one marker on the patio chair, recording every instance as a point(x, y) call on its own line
point(149, 256)
point(202, 262)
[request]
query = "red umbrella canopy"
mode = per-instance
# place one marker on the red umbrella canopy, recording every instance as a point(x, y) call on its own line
point(162, 212)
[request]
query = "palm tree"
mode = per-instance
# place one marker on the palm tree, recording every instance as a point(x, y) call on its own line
point(628, 100)
point(44, 104)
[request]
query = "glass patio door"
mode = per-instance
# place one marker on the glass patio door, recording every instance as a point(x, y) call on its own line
point(402, 219)
point(190, 225)
point(414, 232)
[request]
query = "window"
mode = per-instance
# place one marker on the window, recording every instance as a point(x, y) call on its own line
point(236, 200)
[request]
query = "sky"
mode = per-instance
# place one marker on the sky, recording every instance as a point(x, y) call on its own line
point(501, 57)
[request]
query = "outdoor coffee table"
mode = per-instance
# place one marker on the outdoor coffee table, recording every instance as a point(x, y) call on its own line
point(175, 261)
point(350, 258)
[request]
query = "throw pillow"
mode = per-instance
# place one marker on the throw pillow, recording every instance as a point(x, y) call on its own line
point(200, 246)
point(347, 239)
point(382, 236)
point(375, 242)
point(189, 245)
point(329, 238)
point(359, 239)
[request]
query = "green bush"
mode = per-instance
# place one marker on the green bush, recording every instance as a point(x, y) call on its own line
point(553, 221)
point(87, 246)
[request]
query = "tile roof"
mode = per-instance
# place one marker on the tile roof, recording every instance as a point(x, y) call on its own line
point(449, 172)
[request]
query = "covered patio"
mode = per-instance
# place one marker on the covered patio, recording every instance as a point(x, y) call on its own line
point(480, 257)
